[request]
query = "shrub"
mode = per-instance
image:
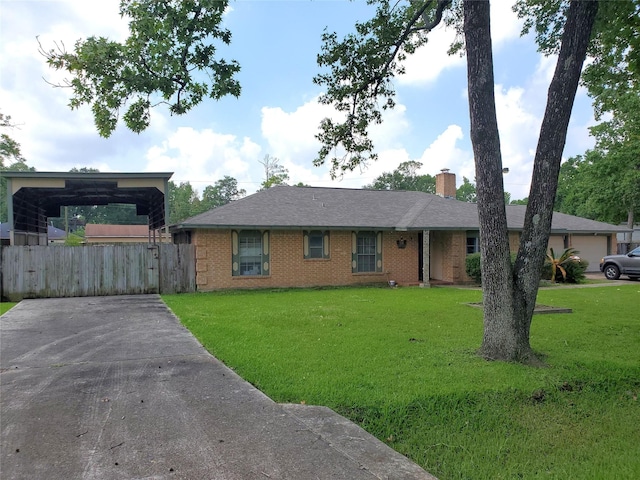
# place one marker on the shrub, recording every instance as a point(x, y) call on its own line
point(472, 267)
point(568, 268)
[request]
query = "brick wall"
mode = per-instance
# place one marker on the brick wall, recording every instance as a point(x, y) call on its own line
point(289, 268)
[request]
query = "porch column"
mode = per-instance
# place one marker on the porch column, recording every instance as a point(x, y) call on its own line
point(426, 254)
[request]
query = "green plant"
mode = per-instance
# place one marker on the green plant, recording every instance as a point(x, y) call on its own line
point(568, 267)
point(472, 267)
point(73, 240)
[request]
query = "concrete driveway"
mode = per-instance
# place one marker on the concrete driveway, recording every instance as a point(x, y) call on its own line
point(116, 388)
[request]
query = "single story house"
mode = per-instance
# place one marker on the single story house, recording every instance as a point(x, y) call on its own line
point(110, 234)
point(54, 235)
point(308, 236)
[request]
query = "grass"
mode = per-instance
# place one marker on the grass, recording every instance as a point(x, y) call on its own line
point(402, 364)
point(6, 306)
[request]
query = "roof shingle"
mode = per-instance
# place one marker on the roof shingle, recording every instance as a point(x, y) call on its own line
point(284, 207)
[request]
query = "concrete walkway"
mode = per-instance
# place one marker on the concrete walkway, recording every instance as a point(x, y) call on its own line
point(116, 388)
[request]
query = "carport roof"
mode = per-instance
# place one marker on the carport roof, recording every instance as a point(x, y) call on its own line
point(51, 190)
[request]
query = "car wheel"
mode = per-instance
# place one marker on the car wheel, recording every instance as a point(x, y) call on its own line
point(612, 272)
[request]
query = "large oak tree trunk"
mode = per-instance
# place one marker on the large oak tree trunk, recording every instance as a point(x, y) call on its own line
point(509, 296)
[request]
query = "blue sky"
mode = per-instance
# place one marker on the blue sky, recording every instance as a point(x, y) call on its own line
point(276, 43)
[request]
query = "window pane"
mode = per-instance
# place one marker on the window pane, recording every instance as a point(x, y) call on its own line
point(316, 240)
point(250, 253)
point(366, 252)
point(473, 245)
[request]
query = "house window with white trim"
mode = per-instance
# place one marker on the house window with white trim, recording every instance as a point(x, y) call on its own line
point(250, 253)
point(366, 253)
point(315, 244)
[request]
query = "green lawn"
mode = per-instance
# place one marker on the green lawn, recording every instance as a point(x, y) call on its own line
point(6, 306)
point(402, 363)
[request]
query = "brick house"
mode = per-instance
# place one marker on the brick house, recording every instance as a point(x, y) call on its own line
point(310, 236)
point(111, 234)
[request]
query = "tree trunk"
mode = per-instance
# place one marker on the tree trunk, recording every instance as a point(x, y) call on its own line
point(546, 167)
point(509, 296)
point(501, 336)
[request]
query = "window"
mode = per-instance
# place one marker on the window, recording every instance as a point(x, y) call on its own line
point(250, 255)
point(316, 244)
point(367, 252)
point(473, 243)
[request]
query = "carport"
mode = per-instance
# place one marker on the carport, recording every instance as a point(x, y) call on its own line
point(32, 197)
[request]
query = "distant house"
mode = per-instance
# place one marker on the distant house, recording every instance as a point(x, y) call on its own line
point(54, 235)
point(307, 236)
point(109, 234)
point(628, 240)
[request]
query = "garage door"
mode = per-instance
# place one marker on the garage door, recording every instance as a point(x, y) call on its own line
point(592, 248)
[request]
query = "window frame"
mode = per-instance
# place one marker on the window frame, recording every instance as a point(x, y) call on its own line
point(316, 252)
point(357, 257)
point(261, 241)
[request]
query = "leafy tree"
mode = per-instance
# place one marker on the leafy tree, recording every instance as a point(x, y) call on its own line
point(467, 191)
point(405, 177)
point(222, 192)
point(10, 153)
point(168, 58)
point(11, 159)
point(358, 83)
point(183, 202)
point(274, 172)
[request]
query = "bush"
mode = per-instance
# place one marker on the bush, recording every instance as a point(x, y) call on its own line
point(574, 269)
point(472, 267)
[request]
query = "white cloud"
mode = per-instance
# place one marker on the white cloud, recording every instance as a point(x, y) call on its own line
point(445, 153)
point(505, 24)
point(426, 65)
point(429, 61)
point(202, 157)
point(291, 138)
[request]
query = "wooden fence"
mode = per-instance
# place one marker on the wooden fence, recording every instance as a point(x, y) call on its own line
point(61, 271)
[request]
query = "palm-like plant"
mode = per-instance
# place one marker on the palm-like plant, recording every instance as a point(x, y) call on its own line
point(557, 264)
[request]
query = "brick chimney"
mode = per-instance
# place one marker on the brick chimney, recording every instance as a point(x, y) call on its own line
point(446, 184)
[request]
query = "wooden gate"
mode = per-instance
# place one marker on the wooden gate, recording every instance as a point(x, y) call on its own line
point(61, 271)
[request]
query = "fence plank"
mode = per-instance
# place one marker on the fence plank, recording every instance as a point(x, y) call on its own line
point(61, 271)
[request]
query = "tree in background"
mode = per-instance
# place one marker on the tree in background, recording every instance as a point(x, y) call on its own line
point(405, 177)
point(274, 172)
point(467, 191)
point(358, 83)
point(168, 58)
point(220, 193)
point(11, 159)
point(183, 202)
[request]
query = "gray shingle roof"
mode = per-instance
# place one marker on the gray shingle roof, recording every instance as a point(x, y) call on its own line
point(284, 207)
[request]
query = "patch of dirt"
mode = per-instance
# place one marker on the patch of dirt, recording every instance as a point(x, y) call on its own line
point(540, 309)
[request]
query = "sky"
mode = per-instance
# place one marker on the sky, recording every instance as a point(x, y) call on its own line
point(278, 114)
